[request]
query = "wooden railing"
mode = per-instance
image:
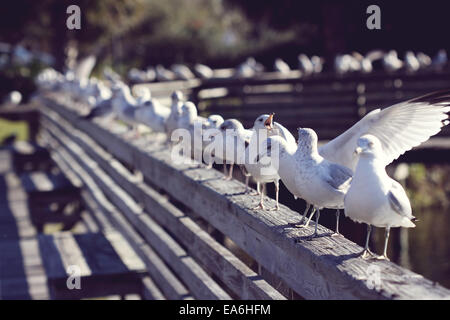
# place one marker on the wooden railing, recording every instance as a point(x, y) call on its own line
point(327, 102)
point(197, 234)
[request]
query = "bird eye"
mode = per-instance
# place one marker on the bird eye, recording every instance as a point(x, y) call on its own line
point(371, 144)
point(260, 120)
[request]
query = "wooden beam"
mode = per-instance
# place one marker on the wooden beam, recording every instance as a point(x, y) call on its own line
point(324, 268)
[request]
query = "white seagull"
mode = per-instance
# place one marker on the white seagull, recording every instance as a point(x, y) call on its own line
point(152, 114)
point(309, 176)
point(305, 65)
point(374, 198)
point(229, 145)
point(175, 114)
point(391, 62)
point(440, 60)
point(281, 66)
point(203, 71)
point(263, 127)
point(412, 64)
point(182, 72)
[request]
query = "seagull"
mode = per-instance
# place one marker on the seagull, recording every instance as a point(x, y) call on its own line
point(412, 64)
point(13, 98)
point(264, 127)
point(195, 125)
point(317, 63)
point(391, 62)
point(281, 66)
point(150, 112)
point(138, 76)
point(256, 66)
point(124, 106)
point(321, 183)
point(210, 127)
point(182, 72)
point(163, 74)
point(249, 68)
point(111, 75)
point(399, 128)
point(424, 60)
point(346, 63)
point(440, 60)
point(365, 64)
point(373, 197)
point(305, 65)
point(175, 114)
point(84, 67)
point(203, 71)
point(102, 98)
point(229, 144)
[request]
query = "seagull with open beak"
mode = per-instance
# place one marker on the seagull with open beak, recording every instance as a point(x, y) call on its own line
point(263, 127)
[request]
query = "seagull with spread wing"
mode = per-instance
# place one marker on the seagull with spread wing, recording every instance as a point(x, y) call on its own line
point(399, 128)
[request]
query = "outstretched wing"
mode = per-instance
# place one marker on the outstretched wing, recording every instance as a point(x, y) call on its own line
point(399, 127)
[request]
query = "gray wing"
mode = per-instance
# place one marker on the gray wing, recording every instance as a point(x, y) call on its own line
point(100, 110)
point(129, 112)
point(399, 201)
point(339, 177)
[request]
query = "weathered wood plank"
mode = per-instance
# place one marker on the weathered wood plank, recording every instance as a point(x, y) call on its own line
point(22, 275)
point(98, 261)
point(220, 261)
point(110, 219)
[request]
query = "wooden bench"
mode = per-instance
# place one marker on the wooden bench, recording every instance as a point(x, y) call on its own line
point(106, 262)
point(29, 156)
point(40, 268)
point(52, 198)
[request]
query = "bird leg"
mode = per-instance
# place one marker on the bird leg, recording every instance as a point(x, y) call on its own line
point(309, 219)
point(247, 187)
point(230, 172)
point(336, 231)
point(277, 191)
point(225, 173)
point(315, 228)
point(261, 199)
point(366, 253)
point(305, 212)
point(386, 238)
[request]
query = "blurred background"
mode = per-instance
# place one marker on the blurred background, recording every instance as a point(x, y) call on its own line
point(222, 34)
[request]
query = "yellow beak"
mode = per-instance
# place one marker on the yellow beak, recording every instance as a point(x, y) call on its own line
point(269, 122)
point(358, 150)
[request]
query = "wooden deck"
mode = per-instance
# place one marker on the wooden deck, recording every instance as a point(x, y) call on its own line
point(197, 234)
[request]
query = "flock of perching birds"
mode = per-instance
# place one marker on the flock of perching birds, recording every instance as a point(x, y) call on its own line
point(346, 173)
point(343, 64)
